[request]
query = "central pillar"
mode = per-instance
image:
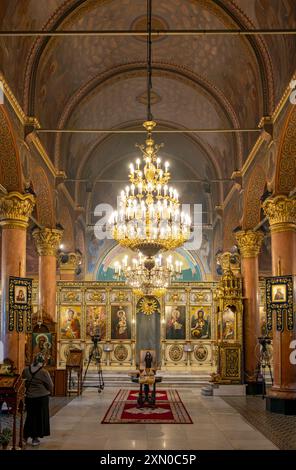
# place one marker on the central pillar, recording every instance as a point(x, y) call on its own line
point(15, 210)
point(47, 242)
point(281, 213)
point(249, 243)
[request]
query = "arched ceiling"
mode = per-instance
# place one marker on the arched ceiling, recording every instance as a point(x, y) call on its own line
point(205, 81)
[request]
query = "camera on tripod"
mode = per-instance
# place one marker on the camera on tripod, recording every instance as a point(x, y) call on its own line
point(95, 339)
point(95, 355)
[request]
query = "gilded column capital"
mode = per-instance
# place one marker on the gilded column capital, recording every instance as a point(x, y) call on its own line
point(249, 242)
point(15, 209)
point(281, 213)
point(47, 240)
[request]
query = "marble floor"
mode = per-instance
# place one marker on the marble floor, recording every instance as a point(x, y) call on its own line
point(216, 425)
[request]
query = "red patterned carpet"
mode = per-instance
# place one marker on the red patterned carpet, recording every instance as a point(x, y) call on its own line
point(169, 409)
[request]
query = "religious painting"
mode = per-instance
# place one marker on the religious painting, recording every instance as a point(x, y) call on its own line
point(228, 323)
point(121, 317)
point(20, 294)
point(96, 321)
point(175, 318)
point(20, 304)
point(148, 359)
point(70, 322)
point(42, 344)
point(279, 302)
point(201, 352)
point(279, 293)
point(200, 322)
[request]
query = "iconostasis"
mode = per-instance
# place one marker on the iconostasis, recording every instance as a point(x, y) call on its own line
point(187, 315)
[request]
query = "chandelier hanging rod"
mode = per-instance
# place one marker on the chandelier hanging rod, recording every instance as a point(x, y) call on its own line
point(155, 33)
point(139, 131)
point(149, 60)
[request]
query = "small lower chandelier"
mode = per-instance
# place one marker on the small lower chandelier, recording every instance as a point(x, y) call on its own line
point(147, 275)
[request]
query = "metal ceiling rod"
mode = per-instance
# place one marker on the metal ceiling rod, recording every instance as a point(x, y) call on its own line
point(149, 60)
point(85, 180)
point(136, 131)
point(161, 32)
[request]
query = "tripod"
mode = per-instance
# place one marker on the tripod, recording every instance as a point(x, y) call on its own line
point(263, 363)
point(95, 355)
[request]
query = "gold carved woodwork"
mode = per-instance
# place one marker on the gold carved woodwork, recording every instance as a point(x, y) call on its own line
point(281, 213)
point(175, 297)
point(249, 242)
point(97, 297)
point(74, 260)
point(229, 324)
point(47, 241)
point(15, 209)
point(229, 370)
point(229, 262)
point(121, 296)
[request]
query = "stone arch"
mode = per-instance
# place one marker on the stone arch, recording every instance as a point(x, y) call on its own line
point(286, 159)
point(67, 223)
point(44, 201)
point(252, 199)
point(10, 165)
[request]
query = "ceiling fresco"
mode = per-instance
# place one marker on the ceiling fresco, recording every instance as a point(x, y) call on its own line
point(207, 81)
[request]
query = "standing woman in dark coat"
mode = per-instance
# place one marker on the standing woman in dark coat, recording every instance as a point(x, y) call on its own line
point(38, 388)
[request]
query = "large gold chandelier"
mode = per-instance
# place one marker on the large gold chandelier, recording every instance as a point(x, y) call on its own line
point(149, 218)
point(147, 275)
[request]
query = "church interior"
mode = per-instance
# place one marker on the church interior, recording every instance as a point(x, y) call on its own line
point(148, 222)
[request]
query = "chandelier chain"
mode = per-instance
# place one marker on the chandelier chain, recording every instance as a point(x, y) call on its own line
point(149, 59)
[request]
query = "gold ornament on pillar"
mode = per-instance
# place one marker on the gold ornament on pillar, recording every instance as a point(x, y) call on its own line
point(15, 209)
point(69, 262)
point(249, 243)
point(229, 262)
point(281, 213)
point(47, 240)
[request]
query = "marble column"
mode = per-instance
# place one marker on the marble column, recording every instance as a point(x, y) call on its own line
point(47, 242)
point(15, 210)
point(249, 243)
point(281, 213)
point(68, 264)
